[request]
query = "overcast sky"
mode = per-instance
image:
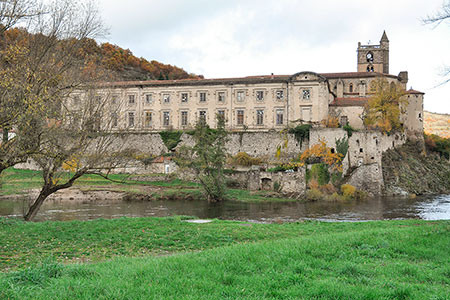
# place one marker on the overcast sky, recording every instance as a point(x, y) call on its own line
point(255, 37)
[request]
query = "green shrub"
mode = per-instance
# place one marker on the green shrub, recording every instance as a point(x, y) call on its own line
point(320, 173)
point(342, 146)
point(438, 144)
point(277, 169)
point(171, 138)
point(301, 132)
point(336, 179)
point(349, 129)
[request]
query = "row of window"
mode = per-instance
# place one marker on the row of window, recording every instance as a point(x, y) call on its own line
point(305, 94)
point(184, 121)
point(372, 86)
point(221, 97)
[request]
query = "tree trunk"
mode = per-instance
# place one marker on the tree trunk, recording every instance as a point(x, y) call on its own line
point(32, 211)
point(5, 136)
point(2, 168)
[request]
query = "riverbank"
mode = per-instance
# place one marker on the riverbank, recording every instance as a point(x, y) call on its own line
point(24, 182)
point(147, 258)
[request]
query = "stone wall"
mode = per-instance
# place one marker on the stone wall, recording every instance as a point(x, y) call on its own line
point(363, 160)
point(368, 178)
point(288, 183)
point(365, 147)
point(256, 144)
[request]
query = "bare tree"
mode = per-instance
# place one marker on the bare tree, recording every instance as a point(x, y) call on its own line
point(40, 65)
point(440, 16)
point(79, 143)
point(16, 11)
point(437, 18)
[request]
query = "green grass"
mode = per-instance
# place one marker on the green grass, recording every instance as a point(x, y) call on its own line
point(15, 181)
point(226, 260)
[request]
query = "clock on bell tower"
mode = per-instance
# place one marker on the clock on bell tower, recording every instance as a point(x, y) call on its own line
point(374, 58)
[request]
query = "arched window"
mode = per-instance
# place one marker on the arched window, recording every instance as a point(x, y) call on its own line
point(370, 68)
point(350, 88)
point(392, 87)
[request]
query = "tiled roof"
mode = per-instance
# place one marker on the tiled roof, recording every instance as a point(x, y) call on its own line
point(214, 81)
point(239, 80)
point(353, 101)
point(411, 91)
point(161, 159)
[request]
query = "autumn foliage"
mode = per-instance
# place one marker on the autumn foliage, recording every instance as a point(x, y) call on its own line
point(121, 62)
point(438, 144)
point(324, 154)
point(438, 124)
point(126, 66)
point(383, 109)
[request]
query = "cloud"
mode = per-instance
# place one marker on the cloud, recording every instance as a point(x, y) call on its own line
point(238, 38)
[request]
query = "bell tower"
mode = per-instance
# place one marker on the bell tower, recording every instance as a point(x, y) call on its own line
point(374, 58)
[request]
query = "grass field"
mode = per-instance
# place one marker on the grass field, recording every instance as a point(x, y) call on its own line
point(168, 258)
point(15, 181)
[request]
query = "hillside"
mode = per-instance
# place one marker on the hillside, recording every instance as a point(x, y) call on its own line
point(438, 124)
point(407, 169)
point(126, 66)
point(120, 63)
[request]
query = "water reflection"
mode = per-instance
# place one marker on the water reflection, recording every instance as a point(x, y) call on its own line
point(428, 208)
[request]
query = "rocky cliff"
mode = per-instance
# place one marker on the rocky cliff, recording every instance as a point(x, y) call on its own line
point(410, 169)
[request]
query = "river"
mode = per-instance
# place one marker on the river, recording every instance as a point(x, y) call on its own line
point(424, 207)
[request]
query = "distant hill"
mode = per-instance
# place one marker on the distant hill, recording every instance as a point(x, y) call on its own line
point(126, 66)
point(438, 124)
point(121, 64)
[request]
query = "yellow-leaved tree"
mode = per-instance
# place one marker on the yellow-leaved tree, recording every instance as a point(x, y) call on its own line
point(383, 110)
point(321, 152)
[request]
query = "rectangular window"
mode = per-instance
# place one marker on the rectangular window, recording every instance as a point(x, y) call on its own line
point(114, 120)
point(240, 117)
point(259, 117)
point(240, 96)
point(131, 99)
point(280, 116)
point(202, 97)
point(166, 118)
point(202, 115)
point(148, 119)
point(184, 118)
point(259, 95)
point(221, 113)
point(280, 95)
point(130, 119)
point(221, 97)
point(184, 97)
point(166, 98)
point(148, 98)
point(306, 94)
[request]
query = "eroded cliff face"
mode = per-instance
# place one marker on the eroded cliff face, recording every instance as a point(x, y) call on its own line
point(410, 169)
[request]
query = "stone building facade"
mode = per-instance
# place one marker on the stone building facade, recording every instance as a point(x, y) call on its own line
point(258, 103)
